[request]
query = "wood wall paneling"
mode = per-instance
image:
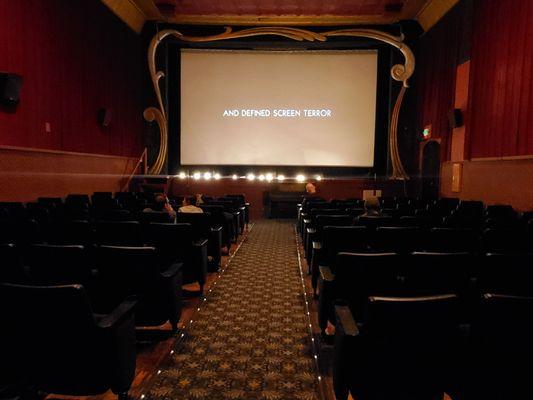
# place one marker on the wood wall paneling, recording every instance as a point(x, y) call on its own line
point(26, 174)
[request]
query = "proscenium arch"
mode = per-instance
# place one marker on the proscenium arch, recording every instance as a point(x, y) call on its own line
point(399, 72)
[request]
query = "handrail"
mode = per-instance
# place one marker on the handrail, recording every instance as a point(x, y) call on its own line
point(142, 159)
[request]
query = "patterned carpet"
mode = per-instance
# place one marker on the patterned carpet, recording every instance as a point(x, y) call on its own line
point(250, 339)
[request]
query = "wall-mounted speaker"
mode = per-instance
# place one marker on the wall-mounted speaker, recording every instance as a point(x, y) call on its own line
point(455, 118)
point(10, 85)
point(105, 116)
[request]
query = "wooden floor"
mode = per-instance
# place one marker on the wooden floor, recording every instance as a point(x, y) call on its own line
point(156, 343)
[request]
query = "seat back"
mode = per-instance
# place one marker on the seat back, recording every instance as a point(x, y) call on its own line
point(501, 346)
point(409, 346)
point(119, 233)
point(396, 239)
point(173, 241)
point(10, 264)
point(57, 264)
point(361, 275)
point(337, 239)
point(452, 240)
point(331, 220)
point(503, 240)
point(428, 273)
point(68, 353)
point(372, 222)
point(506, 274)
point(125, 271)
point(200, 224)
point(155, 216)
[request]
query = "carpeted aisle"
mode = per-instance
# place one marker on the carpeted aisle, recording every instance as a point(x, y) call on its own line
point(250, 339)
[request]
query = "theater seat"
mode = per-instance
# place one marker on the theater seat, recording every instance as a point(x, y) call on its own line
point(175, 243)
point(358, 276)
point(11, 269)
point(140, 272)
point(204, 228)
point(500, 350)
point(403, 351)
point(119, 233)
point(51, 340)
point(336, 239)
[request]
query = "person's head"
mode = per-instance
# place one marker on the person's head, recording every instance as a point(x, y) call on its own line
point(310, 188)
point(372, 204)
point(199, 199)
point(159, 202)
point(186, 201)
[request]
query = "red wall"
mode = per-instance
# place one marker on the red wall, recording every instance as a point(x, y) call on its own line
point(501, 91)
point(75, 57)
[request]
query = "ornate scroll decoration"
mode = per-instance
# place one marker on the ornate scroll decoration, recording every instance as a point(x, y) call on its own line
point(399, 72)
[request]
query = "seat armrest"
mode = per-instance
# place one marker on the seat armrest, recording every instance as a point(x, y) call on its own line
point(120, 314)
point(311, 230)
point(217, 228)
point(317, 245)
point(172, 270)
point(200, 243)
point(307, 221)
point(326, 274)
point(346, 321)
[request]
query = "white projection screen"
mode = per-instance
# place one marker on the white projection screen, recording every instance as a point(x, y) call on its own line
point(278, 108)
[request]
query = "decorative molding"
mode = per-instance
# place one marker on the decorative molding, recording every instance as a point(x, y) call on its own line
point(128, 12)
point(399, 72)
point(283, 20)
point(433, 11)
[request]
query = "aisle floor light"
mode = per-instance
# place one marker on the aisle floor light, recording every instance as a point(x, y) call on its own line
point(261, 177)
point(216, 176)
point(281, 178)
point(300, 178)
point(182, 175)
point(207, 175)
point(234, 177)
point(250, 177)
point(269, 177)
point(196, 175)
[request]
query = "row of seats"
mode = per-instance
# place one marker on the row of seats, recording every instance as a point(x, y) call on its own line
point(436, 296)
point(416, 348)
point(86, 284)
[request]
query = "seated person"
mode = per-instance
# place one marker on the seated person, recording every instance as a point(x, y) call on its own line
point(161, 203)
point(199, 199)
point(187, 207)
point(372, 207)
point(310, 193)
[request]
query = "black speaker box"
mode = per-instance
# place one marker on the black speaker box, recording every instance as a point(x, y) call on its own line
point(104, 116)
point(455, 118)
point(10, 85)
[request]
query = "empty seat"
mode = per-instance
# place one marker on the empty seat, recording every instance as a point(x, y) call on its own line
point(140, 272)
point(503, 240)
point(358, 276)
point(11, 269)
point(119, 233)
point(75, 351)
point(336, 239)
point(59, 265)
point(452, 240)
point(397, 239)
point(175, 243)
point(404, 350)
point(500, 349)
